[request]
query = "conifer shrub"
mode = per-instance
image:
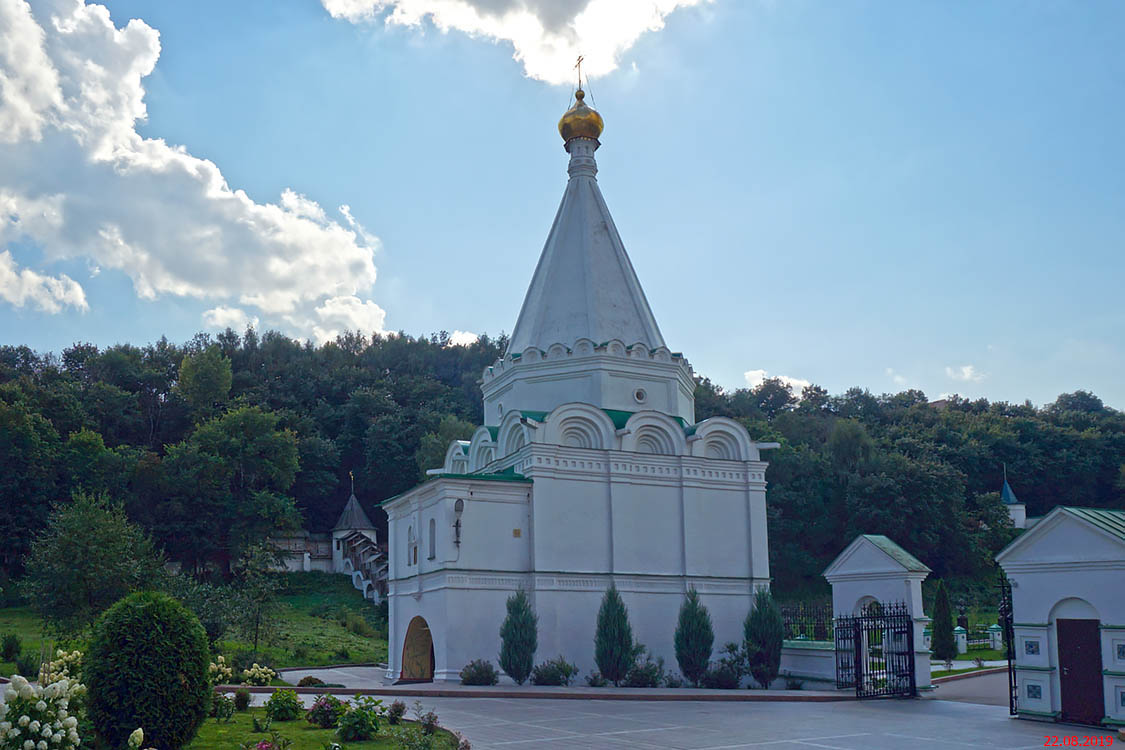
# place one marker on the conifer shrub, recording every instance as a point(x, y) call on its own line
point(764, 631)
point(942, 643)
point(556, 671)
point(147, 667)
point(694, 638)
point(614, 652)
point(519, 638)
point(479, 672)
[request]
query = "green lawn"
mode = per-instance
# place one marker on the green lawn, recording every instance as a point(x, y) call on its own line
point(309, 630)
point(27, 625)
point(986, 654)
point(227, 736)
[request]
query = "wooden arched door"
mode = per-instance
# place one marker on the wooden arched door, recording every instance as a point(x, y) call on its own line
point(417, 652)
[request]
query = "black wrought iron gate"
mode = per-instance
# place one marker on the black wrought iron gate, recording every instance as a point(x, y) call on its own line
point(1007, 627)
point(875, 651)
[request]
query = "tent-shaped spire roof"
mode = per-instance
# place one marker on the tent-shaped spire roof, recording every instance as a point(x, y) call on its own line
point(584, 285)
point(1006, 495)
point(353, 516)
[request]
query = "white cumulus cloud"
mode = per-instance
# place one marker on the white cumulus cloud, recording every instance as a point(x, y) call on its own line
point(754, 378)
point(341, 314)
point(964, 373)
point(78, 181)
point(223, 317)
point(546, 35)
point(22, 286)
point(463, 338)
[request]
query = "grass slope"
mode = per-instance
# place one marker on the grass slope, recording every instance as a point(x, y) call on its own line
point(26, 624)
point(227, 736)
point(311, 630)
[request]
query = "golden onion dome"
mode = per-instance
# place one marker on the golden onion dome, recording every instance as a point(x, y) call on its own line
point(580, 121)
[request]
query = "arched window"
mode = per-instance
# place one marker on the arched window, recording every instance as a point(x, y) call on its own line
point(433, 539)
point(410, 545)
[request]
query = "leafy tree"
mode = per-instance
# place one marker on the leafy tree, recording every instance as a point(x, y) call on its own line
point(28, 452)
point(257, 589)
point(849, 445)
point(431, 451)
point(614, 651)
point(519, 638)
point(231, 478)
point(88, 557)
point(764, 631)
point(942, 643)
point(694, 638)
point(205, 380)
point(217, 607)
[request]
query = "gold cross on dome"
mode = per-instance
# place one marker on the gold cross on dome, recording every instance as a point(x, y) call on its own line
point(578, 65)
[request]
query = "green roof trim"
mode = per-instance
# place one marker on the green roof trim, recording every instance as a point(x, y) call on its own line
point(1110, 521)
point(901, 556)
point(494, 432)
point(508, 475)
point(619, 417)
point(538, 416)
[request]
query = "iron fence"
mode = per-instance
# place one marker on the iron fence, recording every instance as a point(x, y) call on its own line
point(808, 621)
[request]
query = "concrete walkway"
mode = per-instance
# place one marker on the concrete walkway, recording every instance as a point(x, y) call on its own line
point(987, 689)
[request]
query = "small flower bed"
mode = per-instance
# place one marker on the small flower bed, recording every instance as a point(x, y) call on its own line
point(284, 705)
point(326, 711)
point(33, 717)
point(219, 673)
point(258, 675)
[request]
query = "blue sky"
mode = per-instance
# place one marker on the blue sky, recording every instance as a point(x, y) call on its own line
point(889, 195)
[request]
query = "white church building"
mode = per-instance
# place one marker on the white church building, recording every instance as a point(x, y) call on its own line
point(590, 470)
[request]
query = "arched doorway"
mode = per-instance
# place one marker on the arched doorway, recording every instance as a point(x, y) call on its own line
point(417, 653)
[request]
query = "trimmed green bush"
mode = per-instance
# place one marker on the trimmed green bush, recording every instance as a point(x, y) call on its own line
point(147, 667)
point(694, 638)
point(764, 630)
point(242, 699)
point(519, 638)
point(613, 640)
point(942, 643)
point(556, 671)
point(645, 672)
point(479, 672)
point(284, 705)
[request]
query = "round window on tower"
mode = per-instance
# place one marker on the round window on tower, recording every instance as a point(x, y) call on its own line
point(640, 395)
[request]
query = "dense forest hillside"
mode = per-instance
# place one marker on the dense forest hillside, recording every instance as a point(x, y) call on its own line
point(211, 444)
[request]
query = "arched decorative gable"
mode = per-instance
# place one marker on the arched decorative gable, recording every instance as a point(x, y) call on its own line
point(653, 432)
point(724, 439)
point(457, 458)
point(513, 434)
point(482, 448)
point(580, 426)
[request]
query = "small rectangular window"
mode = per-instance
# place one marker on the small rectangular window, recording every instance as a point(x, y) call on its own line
point(1034, 691)
point(1031, 647)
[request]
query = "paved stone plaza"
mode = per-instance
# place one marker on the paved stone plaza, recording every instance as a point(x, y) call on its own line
point(617, 725)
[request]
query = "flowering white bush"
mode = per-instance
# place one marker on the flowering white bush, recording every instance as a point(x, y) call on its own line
point(258, 675)
point(33, 717)
point(67, 665)
point(219, 673)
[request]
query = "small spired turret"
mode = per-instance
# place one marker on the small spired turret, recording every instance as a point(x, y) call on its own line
point(1017, 511)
